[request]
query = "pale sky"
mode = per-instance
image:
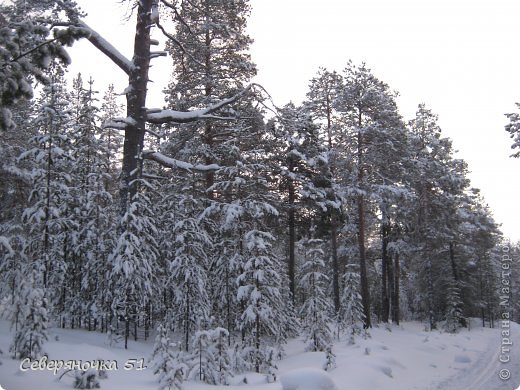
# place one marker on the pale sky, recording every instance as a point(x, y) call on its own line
point(460, 57)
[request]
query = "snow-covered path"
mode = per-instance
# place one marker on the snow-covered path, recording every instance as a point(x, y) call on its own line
point(400, 358)
point(486, 372)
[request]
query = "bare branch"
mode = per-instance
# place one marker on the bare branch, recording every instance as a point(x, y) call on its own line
point(155, 134)
point(106, 48)
point(178, 16)
point(47, 42)
point(155, 54)
point(179, 44)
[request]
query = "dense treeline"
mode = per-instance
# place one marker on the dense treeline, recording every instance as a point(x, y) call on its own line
point(323, 218)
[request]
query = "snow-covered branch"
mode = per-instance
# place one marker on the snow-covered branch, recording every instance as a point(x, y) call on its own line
point(4, 243)
point(169, 162)
point(119, 123)
point(114, 125)
point(106, 48)
point(166, 116)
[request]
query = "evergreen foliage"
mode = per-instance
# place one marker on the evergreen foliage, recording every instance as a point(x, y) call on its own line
point(316, 309)
point(95, 234)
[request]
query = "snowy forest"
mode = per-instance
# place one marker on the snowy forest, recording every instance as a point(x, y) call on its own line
point(222, 225)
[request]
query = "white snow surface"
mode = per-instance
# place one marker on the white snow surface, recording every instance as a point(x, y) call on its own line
point(405, 357)
point(307, 379)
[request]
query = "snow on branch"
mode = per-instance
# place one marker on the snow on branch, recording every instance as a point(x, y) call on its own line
point(165, 116)
point(106, 48)
point(119, 123)
point(169, 162)
point(4, 243)
point(114, 125)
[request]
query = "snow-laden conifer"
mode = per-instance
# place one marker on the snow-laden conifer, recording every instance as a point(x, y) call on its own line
point(31, 333)
point(134, 258)
point(351, 311)
point(316, 308)
point(259, 293)
point(167, 362)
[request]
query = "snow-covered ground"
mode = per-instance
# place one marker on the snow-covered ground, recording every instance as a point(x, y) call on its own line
point(407, 357)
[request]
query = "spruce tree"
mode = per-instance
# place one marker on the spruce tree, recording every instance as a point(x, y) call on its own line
point(210, 361)
point(33, 319)
point(351, 312)
point(133, 260)
point(316, 309)
point(167, 363)
point(454, 316)
point(259, 292)
point(188, 268)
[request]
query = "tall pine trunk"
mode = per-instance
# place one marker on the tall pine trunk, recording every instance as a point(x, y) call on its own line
point(333, 230)
point(292, 236)
point(395, 290)
point(385, 301)
point(136, 104)
point(365, 293)
point(335, 264)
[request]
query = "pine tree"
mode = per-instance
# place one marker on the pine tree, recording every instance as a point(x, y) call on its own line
point(324, 90)
point(368, 110)
point(513, 128)
point(440, 183)
point(212, 62)
point(28, 50)
point(296, 155)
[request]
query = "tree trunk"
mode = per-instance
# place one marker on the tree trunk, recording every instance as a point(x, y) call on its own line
point(385, 302)
point(208, 91)
point(292, 239)
point(334, 222)
point(390, 286)
point(335, 264)
point(365, 293)
point(453, 265)
point(127, 329)
point(136, 103)
point(395, 291)
point(456, 277)
point(187, 323)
